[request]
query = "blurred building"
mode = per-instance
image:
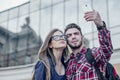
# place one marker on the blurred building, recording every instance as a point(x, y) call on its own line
point(20, 39)
point(18, 48)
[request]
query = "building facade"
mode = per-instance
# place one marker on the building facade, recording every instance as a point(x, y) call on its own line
point(46, 15)
point(19, 48)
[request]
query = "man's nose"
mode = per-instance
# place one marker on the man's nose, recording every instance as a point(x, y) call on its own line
point(73, 36)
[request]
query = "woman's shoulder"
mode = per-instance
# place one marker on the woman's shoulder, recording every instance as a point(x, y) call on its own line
point(40, 71)
point(39, 64)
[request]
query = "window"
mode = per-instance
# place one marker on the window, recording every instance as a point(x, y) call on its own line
point(1, 47)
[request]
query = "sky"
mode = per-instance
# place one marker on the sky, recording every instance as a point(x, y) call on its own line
point(6, 4)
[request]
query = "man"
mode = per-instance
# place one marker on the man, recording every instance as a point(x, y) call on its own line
point(78, 67)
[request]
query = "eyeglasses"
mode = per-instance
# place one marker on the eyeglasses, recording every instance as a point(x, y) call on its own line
point(58, 37)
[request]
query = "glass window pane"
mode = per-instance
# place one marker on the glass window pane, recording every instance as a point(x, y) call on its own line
point(95, 34)
point(24, 9)
point(91, 44)
point(116, 41)
point(58, 16)
point(102, 9)
point(12, 25)
point(92, 35)
point(114, 12)
point(34, 21)
point(45, 3)
point(70, 16)
point(3, 16)
point(115, 29)
point(96, 43)
point(23, 30)
point(13, 13)
point(45, 22)
point(22, 22)
point(4, 25)
point(57, 1)
point(35, 5)
point(88, 36)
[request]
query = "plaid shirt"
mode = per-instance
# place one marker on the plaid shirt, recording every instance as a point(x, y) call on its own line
point(78, 67)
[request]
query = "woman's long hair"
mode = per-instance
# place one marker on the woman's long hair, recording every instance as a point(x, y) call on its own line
point(45, 52)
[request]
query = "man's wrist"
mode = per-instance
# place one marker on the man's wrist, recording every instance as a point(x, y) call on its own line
point(101, 27)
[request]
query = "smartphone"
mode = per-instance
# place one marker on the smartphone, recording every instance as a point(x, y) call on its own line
point(86, 7)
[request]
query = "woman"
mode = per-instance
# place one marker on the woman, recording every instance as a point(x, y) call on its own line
point(51, 57)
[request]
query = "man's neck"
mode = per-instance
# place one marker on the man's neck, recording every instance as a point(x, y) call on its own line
point(76, 51)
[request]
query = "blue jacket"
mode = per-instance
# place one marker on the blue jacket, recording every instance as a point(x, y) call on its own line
point(40, 72)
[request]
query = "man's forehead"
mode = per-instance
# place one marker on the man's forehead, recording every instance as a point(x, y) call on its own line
point(72, 30)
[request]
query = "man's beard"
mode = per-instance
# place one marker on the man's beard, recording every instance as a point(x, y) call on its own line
point(75, 47)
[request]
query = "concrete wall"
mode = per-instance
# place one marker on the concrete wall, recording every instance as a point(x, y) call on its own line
point(25, 72)
point(17, 72)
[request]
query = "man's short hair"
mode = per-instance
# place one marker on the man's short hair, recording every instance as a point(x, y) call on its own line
point(73, 25)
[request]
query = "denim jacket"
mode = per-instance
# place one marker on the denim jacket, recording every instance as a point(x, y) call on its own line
point(40, 71)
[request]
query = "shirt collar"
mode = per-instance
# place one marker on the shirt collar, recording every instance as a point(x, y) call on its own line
point(83, 51)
